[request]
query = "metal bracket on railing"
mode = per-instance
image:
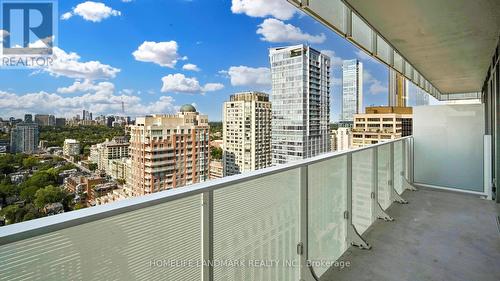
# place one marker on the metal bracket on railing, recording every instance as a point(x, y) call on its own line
point(381, 214)
point(398, 198)
point(395, 195)
point(354, 238)
point(408, 185)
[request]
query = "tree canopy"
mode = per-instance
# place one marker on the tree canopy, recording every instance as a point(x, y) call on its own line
point(86, 135)
point(216, 153)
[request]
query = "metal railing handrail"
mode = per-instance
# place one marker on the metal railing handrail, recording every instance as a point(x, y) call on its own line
point(36, 227)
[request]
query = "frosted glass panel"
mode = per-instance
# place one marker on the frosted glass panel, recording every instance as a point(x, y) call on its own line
point(327, 203)
point(415, 76)
point(448, 143)
point(362, 203)
point(332, 11)
point(408, 70)
point(384, 191)
point(361, 32)
point(406, 151)
point(122, 247)
point(398, 62)
point(258, 220)
point(398, 167)
point(383, 50)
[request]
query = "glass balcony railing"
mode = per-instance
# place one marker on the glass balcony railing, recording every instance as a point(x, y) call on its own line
point(280, 223)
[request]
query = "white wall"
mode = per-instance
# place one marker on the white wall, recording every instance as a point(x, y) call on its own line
point(449, 145)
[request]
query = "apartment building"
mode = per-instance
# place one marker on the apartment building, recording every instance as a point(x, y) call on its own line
point(169, 151)
point(71, 147)
point(381, 123)
point(119, 169)
point(60, 122)
point(341, 139)
point(246, 132)
point(301, 103)
point(216, 169)
point(103, 153)
point(45, 120)
point(24, 138)
point(81, 186)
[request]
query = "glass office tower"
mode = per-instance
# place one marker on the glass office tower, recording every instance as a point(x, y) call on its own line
point(301, 103)
point(352, 89)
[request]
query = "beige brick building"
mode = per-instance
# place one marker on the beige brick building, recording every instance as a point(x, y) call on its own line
point(169, 151)
point(341, 139)
point(381, 123)
point(104, 153)
point(246, 133)
point(216, 169)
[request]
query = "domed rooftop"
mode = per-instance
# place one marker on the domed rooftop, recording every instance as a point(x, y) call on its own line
point(187, 108)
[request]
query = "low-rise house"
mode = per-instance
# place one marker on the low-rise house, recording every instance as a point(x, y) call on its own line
point(100, 190)
point(19, 177)
point(53, 209)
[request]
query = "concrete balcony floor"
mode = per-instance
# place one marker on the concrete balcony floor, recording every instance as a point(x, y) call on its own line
point(439, 235)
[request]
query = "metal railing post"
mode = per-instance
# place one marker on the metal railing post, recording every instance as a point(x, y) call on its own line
point(208, 236)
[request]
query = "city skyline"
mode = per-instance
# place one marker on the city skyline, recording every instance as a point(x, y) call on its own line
point(157, 70)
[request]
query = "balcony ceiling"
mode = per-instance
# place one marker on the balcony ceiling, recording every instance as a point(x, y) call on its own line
point(451, 42)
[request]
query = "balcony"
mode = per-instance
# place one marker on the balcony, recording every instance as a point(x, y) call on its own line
point(304, 220)
point(440, 235)
point(309, 210)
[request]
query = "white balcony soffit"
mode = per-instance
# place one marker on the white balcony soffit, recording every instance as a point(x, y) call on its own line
point(449, 42)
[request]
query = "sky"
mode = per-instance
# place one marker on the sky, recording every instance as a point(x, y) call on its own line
point(156, 55)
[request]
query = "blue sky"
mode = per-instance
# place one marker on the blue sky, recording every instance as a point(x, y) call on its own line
point(155, 55)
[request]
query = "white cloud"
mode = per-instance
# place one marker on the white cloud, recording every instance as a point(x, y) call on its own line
point(42, 43)
point(377, 88)
point(273, 30)
point(128, 91)
point(280, 9)
point(335, 81)
point(334, 60)
point(69, 65)
point(66, 16)
point(212, 87)
point(87, 86)
point(365, 57)
point(91, 11)
point(3, 33)
point(162, 53)
point(99, 102)
point(374, 85)
point(249, 76)
point(178, 83)
point(191, 67)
